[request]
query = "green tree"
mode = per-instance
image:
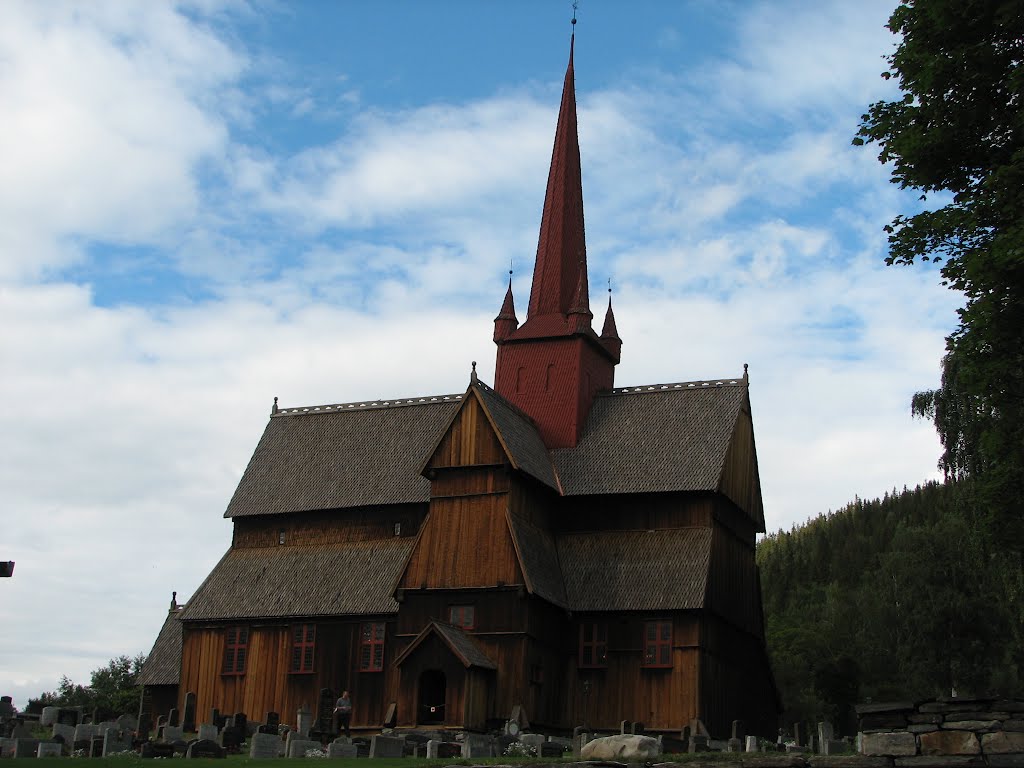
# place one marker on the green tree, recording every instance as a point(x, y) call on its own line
point(957, 137)
point(112, 690)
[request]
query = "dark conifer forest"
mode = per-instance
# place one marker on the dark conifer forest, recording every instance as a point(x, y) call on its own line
point(903, 597)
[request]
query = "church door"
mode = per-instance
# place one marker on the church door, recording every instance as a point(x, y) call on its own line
point(433, 689)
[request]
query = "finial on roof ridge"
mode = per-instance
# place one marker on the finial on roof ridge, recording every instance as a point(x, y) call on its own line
point(174, 601)
point(746, 375)
point(472, 376)
point(274, 408)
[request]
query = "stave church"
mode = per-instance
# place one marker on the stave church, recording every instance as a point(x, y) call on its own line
point(552, 545)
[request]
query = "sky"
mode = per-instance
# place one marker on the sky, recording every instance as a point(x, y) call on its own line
point(207, 204)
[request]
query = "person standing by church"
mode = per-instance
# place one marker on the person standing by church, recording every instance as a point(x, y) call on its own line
point(343, 711)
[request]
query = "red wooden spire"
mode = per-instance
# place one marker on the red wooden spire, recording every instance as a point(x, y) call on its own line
point(554, 364)
point(561, 248)
point(506, 321)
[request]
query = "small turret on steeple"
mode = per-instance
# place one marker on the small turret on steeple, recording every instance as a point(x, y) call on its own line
point(506, 322)
point(609, 333)
point(580, 316)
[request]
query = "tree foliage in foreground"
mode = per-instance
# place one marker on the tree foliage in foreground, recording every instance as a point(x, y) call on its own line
point(957, 136)
point(898, 598)
point(112, 690)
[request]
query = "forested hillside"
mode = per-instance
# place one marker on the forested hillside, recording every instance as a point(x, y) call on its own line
point(898, 598)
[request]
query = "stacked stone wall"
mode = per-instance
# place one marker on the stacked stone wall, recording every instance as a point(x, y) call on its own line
point(946, 732)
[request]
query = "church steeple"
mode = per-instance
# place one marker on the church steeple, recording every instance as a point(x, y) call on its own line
point(554, 364)
point(561, 267)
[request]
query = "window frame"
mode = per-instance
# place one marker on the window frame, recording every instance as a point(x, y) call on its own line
point(462, 616)
point(303, 649)
point(372, 635)
point(657, 653)
point(593, 647)
point(236, 645)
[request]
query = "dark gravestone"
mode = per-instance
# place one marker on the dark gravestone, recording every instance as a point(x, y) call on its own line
point(797, 735)
point(96, 746)
point(172, 717)
point(273, 723)
point(699, 743)
point(145, 726)
point(550, 749)
point(152, 749)
point(448, 751)
point(638, 729)
point(188, 722)
point(205, 748)
point(67, 716)
point(324, 724)
point(235, 732)
point(391, 717)
point(215, 716)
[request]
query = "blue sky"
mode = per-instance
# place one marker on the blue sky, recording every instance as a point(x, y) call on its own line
point(207, 204)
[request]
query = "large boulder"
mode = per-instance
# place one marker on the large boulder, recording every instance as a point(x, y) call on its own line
point(626, 748)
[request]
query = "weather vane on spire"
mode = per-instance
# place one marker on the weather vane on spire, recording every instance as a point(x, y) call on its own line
point(575, 6)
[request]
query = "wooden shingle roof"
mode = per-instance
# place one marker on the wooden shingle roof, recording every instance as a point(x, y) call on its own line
point(539, 559)
point(328, 457)
point(163, 664)
point(653, 439)
point(636, 570)
point(519, 435)
point(325, 580)
point(459, 643)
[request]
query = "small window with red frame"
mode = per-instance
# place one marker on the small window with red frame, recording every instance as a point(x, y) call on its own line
point(303, 648)
point(236, 648)
point(593, 644)
point(462, 616)
point(371, 647)
point(658, 643)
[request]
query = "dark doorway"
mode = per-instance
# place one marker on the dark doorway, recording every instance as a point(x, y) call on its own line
point(432, 693)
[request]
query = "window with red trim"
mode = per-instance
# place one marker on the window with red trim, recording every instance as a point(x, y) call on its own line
point(371, 647)
point(657, 643)
point(463, 616)
point(236, 648)
point(593, 644)
point(303, 648)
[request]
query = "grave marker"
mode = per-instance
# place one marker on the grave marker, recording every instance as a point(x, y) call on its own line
point(49, 749)
point(263, 746)
point(205, 748)
point(386, 746)
point(188, 721)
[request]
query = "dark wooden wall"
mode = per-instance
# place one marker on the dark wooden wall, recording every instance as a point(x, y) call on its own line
point(268, 684)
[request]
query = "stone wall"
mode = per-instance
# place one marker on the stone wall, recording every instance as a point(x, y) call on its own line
point(948, 732)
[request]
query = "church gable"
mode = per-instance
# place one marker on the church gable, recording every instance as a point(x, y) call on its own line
point(740, 481)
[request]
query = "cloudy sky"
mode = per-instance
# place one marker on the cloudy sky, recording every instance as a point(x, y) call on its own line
point(207, 204)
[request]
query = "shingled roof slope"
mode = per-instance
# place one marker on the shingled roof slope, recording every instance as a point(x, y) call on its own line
point(519, 435)
point(359, 454)
point(539, 558)
point(325, 580)
point(163, 664)
point(671, 437)
point(636, 570)
point(462, 645)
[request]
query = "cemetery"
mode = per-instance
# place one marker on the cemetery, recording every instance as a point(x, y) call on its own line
point(945, 733)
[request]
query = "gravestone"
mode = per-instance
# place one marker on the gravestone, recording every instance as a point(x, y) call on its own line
point(49, 749)
point(797, 735)
point(751, 743)
point(475, 745)
point(625, 727)
point(303, 721)
point(263, 746)
point(325, 712)
point(638, 729)
point(84, 732)
point(739, 730)
point(145, 726)
point(391, 716)
point(298, 747)
point(65, 732)
point(115, 741)
point(96, 746)
point(386, 746)
point(48, 716)
point(188, 721)
point(550, 749)
point(241, 723)
point(172, 733)
point(161, 721)
point(205, 748)
point(825, 735)
point(519, 715)
point(699, 743)
point(340, 748)
point(154, 750)
point(271, 726)
point(6, 747)
point(26, 747)
point(127, 723)
point(533, 740)
point(207, 732)
point(172, 717)
point(68, 716)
